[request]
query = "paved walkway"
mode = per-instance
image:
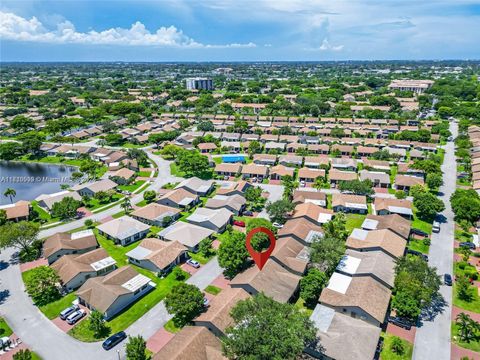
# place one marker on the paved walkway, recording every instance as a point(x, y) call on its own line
point(432, 340)
point(405, 334)
point(457, 310)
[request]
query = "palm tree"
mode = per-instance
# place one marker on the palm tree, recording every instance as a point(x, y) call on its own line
point(467, 327)
point(11, 193)
point(126, 204)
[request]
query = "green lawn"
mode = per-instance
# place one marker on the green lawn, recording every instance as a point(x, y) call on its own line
point(200, 258)
point(388, 354)
point(211, 289)
point(418, 245)
point(463, 236)
point(43, 215)
point(144, 173)
point(53, 309)
point(94, 204)
point(134, 312)
point(421, 225)
point(117, 252)
point(473, 345)
point(473, 305)
point(354, 221)
point(175, 171)
point(170, 327)
point(300, 304)
point(119, 214)
point(52, 160)
point(142, 203)
point(218, 160)
point(4, 328)
point(131, 187)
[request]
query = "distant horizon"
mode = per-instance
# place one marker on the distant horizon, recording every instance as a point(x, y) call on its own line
point(237, 31)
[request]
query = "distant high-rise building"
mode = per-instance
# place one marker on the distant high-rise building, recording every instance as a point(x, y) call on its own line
point(199, 84)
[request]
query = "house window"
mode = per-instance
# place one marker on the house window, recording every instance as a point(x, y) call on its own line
point(136, 292)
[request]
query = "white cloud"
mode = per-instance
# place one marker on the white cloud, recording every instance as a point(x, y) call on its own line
point(326, 46)
point(14, 27)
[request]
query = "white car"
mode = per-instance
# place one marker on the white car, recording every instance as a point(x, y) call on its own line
point(277, 225)
point(74, 317)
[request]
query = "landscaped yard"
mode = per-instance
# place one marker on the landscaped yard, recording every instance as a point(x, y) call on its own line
point(4, 328)
point(131, 187)
point(473, 345)
point(144, 173)
point(94, 204)
point(473, 305)
point(43, 215)
point(418, 245)
point(354, 221)
point(170, 327)
point(300, 304)
point(117, 252)
point(199, 257)
point(175, 171)
point(211, 289)
point(388, 354)
point(53, 309)
point(421, 225)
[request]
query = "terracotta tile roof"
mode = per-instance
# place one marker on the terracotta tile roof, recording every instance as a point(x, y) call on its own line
point(384, 239)
point(65, 241)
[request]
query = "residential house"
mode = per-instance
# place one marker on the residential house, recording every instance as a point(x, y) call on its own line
point(383, 240)
point(156, 215)
point(290, 160)
point(349, 203)
point(316, 197)
point(214, 219)
point(316, 162)
point(197, 186)
point(46, 201)
point(157, 255)
point(124, 230)
point(75, 269)
point(387, 206)
point(301, 229)
point(123, 176)
point(187, 234)
point(405, 182)
point(64, 243)
point(359, 297)
point(396, 223)
point(344, 163)
point(206, 147)
point(313, 213)
point(273, 280)
point(279, 171)
point(378, 178)
point(336, 176)
point(179, 198)
point(292, 255)
point(18, 211)
point(234, 203)
point(228, 169)
point(91, 189)
point(308, 175)
point(254, 171)
point(217, 318)
point(265, 159)
point(237, 188)
point(112, 293)
point(192, 342)
point(342, 337)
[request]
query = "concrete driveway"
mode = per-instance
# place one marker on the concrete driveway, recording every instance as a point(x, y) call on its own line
point(432, 340)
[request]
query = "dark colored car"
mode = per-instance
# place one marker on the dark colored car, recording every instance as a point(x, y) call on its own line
point(403, 323)
point(114, 340)
point(248, 213)
point(470, 245)
point(417, 253)
point(447, 279)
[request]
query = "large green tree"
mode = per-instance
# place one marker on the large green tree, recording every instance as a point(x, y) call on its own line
point(20, 235)
point(278, 210)
point(136, 348)
point(41, 284)
point(66, 208)
point(265, 329)
point(185, 302)
point(232, 253)
point(311, 285)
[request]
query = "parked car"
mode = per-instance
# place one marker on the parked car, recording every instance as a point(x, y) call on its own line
point(379, 348)
point(5, 342)
point(447, 279)
point(75, 316)
point(302, 183)
point(239, 223)
point(277, 225)
point(419, 232)
point(114, 340)
point(436, 227)
point(65, 313)
point(468, 244)
point(193, 263)
point(450, 138)
point(248, 213)
point(206, 302)
point(403, 323)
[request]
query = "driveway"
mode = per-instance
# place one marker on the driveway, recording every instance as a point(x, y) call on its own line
point(432, 340)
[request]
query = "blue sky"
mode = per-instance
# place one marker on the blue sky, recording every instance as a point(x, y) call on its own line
point(229, 30)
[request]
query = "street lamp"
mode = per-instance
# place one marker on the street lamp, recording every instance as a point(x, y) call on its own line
point(118, 353)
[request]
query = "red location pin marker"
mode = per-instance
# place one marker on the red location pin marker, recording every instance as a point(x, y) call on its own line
point(260, 258)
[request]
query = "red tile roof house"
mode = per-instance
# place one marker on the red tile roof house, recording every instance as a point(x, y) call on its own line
point(254, 171)
point(301, 229)
point(61, 244)
point(335, 176)
point(230, 170)
point(279, 171)
point(18, 211)
point(404, 182)
point(402, 207)
point(206, 147)
point(310, 175)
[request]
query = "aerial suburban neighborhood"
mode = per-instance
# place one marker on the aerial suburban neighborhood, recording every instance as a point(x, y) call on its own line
point(236, 210)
